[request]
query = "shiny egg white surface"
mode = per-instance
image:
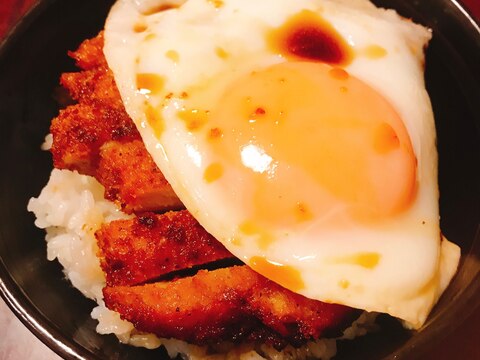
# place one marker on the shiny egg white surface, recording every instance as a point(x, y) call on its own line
point(299, 133)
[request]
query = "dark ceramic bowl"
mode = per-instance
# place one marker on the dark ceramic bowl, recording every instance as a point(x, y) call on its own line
point(31, 61)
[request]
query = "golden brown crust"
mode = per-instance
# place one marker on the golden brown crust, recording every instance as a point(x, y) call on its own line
point(196, 309)
point(80, 130)
point(149, 246)
point(225, 304)
point(133, 180)
point(95, 85)
point(90, 53)
point(97, 137)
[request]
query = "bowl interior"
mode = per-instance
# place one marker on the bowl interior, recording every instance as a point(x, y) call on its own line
point(30, 64)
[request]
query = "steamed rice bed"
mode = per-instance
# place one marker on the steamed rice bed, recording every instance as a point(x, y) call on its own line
point(71, 208)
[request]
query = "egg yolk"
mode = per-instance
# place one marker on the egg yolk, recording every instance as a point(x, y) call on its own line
point(311, 134)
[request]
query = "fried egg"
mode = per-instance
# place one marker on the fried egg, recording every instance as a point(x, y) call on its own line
point(299, 134)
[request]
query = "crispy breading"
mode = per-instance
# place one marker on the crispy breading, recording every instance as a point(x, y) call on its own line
point(80, 130)
point(90, 53)
point(225, 304)
point(133, 180)
point(207, 307)
point(96, 85)
point(295, 317)
point(96, 82)
point(148, 246)
point(97, 137)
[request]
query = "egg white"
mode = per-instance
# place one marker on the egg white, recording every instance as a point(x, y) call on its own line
point(415, 264)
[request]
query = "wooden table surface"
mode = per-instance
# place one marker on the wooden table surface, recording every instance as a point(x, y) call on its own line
point(16, 342)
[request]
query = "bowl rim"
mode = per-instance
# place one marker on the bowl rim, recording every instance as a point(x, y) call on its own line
point(65, 347)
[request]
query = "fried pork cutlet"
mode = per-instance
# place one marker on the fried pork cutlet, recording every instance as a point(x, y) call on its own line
point(225, 304)
point(89, 54)
point(81, 129)
point(133, 180)
point(97, 137)
point(144, 248)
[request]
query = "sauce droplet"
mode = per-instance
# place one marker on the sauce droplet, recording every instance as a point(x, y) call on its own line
point(264, 239)
point(302, 212)
point(365, 260)
point(194, 118)
point(150, 37)
point(236, 241)
point(306, 35)
point(149, 84)
point(173, 55)
point(158, 8)
point(284, 275)
point(375, 52)
point(216, 3)
point(213, 172)
point(155, 120)
point(221, 53)
point(140, 27)
point(215, 134)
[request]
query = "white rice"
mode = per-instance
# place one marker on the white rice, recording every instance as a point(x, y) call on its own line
point(71, 208)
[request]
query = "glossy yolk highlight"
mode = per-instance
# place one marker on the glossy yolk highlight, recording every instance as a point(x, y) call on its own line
point(304, 120)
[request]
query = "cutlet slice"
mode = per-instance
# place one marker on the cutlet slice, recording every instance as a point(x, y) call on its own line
point(96, 82)
point(148, 246)
point(297, 318)
point(80, 130)
point(96, 85)
point(96, 137)
point(90, 53)
point(209, 306)
point(133, 180)
point(225, 304)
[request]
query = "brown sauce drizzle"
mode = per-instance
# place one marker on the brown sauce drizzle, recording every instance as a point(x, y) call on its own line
point(213, 172)
point(306, 35)
point(155, 120)
point(159, 8)
point(216, 3)
point(150, 83)
point(140, 27)
point(215, 134)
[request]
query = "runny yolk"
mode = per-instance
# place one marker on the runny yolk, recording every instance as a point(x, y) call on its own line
point(321, 135)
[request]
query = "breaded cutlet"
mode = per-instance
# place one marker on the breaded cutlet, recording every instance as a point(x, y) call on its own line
point(97, 137)
point(146, 247)
point(225, 304)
